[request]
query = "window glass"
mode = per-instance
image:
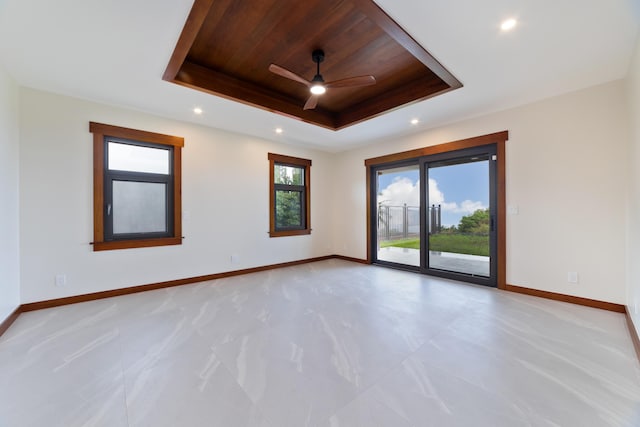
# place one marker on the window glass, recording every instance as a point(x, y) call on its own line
point(134, 158)
point(288, 175)
point(139, 207)
point(288, 209)
point(137, 188)
point(289, 201)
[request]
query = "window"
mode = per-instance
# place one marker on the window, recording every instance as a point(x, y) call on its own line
point(136, 188)
point(289, 196)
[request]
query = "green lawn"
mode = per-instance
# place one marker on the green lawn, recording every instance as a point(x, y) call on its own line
point(470, 244)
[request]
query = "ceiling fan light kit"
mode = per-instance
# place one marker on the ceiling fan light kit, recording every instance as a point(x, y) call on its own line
point(318, 89)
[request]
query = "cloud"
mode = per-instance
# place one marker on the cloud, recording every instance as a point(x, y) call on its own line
point(469, 206)
point(402, 190)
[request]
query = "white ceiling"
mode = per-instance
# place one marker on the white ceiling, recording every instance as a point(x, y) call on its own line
point(115, 52)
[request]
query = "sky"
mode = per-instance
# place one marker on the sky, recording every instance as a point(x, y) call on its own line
point(459, 189)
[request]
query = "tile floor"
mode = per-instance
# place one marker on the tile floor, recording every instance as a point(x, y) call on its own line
point(331, 343)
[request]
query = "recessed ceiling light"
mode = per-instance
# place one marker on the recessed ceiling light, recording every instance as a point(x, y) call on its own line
point(415, 121)
point(197, 110)
point(279, 131)
point(508, 24)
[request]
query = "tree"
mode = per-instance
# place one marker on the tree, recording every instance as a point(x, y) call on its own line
point(477, 222)
point(288, 212)
point(288, 175)
point(288, 203)
point(449, 230)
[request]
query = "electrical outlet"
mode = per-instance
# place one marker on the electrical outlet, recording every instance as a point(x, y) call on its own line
point(572, 277)
point(61, 280)
point(234, 259)
point(513, 210)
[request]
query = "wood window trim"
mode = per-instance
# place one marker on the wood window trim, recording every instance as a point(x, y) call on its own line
point(289, 161)
point(498, 138)
point(100, 131)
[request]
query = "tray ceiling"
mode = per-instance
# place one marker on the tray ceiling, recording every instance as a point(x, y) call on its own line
point(226, 47)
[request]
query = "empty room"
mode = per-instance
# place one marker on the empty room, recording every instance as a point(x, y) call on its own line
point(341, 213)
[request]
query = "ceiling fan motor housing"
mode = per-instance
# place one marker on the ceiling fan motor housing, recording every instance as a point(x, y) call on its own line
point(317, 55)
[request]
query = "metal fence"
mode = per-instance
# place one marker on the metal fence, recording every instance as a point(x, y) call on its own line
point(403, 222)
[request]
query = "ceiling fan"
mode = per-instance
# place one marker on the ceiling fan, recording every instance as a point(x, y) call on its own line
point(317, 85)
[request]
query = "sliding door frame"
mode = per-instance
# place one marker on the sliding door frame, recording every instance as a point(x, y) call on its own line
point(426, 164)
point(499, 139)
point(372, 228)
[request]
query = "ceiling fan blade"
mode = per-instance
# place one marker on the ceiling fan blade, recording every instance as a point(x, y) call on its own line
point(353, 82)
point(311, 102)
point(276, 69)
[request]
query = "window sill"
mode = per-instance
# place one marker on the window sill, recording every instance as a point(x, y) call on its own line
point(285, 233)
point(141, 243)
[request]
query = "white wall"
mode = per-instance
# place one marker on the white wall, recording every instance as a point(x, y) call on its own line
point(9, 217)
point(567, 173)
point(633, 216)
point(225, 198)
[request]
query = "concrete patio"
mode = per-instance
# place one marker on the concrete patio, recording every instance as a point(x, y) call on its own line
point(459, 263)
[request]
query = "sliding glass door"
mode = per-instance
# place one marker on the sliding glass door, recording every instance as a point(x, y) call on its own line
point(462, 206)
point(445, 228)
point(397, 213)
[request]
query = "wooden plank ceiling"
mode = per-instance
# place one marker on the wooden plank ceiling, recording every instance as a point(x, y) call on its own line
point(226, 48)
